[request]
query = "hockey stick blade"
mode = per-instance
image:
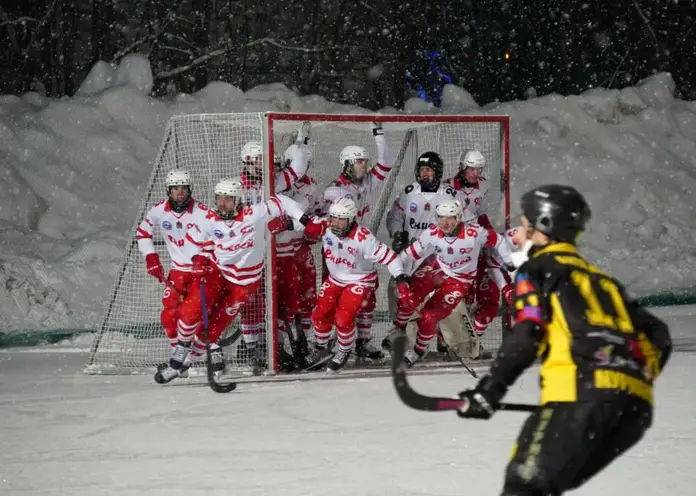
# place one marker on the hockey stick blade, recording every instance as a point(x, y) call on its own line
point(417, 401)
point(212, 382)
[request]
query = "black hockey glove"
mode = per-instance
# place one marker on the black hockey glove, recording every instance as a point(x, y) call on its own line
point(377, 129)
point(399, 241)
point(482, 401)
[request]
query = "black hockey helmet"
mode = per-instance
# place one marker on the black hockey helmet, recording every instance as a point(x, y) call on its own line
point(434, 161)
point(560, 212)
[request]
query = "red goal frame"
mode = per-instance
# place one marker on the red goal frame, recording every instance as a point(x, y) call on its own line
point(269, 148)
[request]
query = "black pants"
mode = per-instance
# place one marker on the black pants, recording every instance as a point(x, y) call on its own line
point(563, 445)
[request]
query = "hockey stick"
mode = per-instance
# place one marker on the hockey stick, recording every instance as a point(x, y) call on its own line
point(212, 382)
point(417, 401)
point(456, 355)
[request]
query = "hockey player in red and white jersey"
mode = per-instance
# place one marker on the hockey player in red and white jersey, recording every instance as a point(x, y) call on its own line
point(351, 252)
point(357, 182)
point(450, 274)
point(497, 278)
point(413, 212)
point(301, 290)
point(231, 255)
point(471, 187)
point(251, 155)
point(171, 217)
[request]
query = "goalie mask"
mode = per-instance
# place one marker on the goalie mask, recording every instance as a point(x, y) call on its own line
point(229, 197)
point(355, 162)
point(449, 215)
point(342, 215)
point(471, 164)
point(178, 185)
point(429, 168)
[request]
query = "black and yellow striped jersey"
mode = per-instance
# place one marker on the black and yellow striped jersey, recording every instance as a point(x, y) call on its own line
point(591, 338)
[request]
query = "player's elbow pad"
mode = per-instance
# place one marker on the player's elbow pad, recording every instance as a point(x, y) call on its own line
point(518, 352)
point(656, 331)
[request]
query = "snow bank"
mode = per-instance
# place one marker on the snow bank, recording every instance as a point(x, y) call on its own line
point(74, 171)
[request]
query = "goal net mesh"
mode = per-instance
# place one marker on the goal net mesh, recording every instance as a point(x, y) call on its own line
point(208, 146)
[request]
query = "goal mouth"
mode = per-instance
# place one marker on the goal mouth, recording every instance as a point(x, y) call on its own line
point(131, 338)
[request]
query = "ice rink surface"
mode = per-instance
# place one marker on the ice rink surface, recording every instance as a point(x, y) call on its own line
point(66, 433)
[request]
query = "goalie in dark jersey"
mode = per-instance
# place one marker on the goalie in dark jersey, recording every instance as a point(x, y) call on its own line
point(600, 354)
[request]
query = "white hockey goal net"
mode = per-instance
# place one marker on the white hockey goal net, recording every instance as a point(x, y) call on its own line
point(208, 146)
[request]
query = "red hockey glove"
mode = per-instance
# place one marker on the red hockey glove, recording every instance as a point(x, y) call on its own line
point(277, 225)
point(154, 266)
point(404, 291)
point(201, 266)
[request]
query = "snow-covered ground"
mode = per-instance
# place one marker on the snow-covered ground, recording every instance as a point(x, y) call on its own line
point(63, 432)
point(74, 171)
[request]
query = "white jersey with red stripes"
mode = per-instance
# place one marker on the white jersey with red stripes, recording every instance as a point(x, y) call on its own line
point(173, 227)
point(361, 190)
point(457, 255)
point(495, 260)
point(351, 259)
point(238, 246)
point(474, 198)
point(306, 193)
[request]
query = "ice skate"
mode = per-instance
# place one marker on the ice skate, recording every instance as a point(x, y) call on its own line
point(318, 356)
point(389, 339)
point(412, 357)
point(365, 349)
point(338, 361)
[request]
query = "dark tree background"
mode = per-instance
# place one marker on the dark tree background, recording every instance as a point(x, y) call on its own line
point(354, 51)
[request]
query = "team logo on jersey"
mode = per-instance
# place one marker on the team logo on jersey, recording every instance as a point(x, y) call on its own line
point(467, 202)
point(464, 250)
point(232, 234)
point(218, 234)
point(413, 207)
point(329, 242)
point(427, 207)
point(450, 250)
point(179, 225)
point(167, 225)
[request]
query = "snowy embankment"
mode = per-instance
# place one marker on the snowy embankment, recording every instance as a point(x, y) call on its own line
point(74, 171)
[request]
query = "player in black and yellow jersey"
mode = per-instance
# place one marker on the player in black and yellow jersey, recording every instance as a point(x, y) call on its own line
point(600, 354)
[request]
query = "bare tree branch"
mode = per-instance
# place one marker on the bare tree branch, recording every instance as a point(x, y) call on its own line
point(222, 51)
point(122, 53)
point(19, 20)
point(10, 29)
point(373, 10)
point(648, 27)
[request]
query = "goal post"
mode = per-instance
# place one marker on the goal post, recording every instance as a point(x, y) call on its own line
point(208, 146)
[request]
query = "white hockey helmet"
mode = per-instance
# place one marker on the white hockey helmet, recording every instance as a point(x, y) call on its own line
point(349, 155)
point(343, 208)
point(251, 151)
point(230, 187)
point(178, 178)
point(472, 158)
point(450, 208)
